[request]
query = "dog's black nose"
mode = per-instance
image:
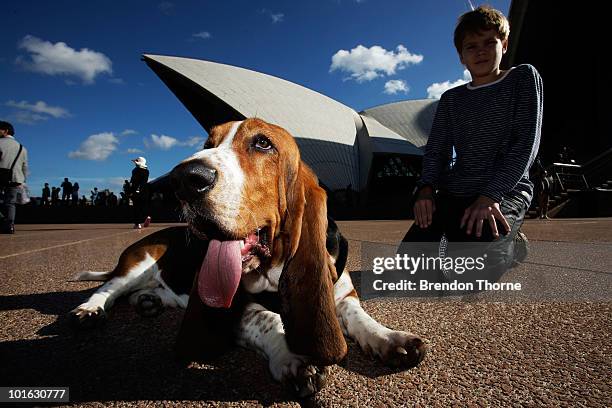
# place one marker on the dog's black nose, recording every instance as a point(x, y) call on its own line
point(190, 180)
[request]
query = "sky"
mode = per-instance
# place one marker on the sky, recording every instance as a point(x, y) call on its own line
point(83, 103)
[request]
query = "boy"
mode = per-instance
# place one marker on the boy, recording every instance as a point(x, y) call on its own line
point(493, 123)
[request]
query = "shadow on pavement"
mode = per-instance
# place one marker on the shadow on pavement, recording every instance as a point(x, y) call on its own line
point(128, 358)
point(132, 358)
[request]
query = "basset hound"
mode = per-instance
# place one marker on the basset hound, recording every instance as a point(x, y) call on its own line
point(259, 264)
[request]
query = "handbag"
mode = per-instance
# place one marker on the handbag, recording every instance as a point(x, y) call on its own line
point(6, 175)
point(23, 195)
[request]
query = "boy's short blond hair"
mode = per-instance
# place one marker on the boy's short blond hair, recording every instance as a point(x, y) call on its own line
point(481, 19)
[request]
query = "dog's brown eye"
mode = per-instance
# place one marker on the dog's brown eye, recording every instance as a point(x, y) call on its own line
point(262, 143)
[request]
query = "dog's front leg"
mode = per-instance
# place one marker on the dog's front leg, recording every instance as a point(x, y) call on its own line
point(395, 348)
point(262, 330)
point(126, 277)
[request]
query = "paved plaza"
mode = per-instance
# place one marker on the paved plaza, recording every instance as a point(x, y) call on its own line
point(549, 345)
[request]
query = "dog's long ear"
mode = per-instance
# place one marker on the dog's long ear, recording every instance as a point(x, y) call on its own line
point(306, 288)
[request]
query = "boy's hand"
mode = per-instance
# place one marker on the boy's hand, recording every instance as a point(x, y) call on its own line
point(424, 207)
point(483, 209)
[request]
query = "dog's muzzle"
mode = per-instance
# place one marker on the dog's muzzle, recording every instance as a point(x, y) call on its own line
point(192, 179)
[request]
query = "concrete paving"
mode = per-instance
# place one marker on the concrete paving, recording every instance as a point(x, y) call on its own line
point(546, 346)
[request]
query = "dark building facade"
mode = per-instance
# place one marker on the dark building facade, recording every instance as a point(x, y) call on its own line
point(563, 41)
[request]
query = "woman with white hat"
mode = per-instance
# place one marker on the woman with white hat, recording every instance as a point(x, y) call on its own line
point(140, 192)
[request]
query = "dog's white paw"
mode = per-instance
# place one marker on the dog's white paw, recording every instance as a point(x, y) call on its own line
point(396, 348)
point(294, 372)
point(285, 365)
point(86, 316)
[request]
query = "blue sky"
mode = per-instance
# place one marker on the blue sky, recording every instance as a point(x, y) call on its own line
point(84, 104)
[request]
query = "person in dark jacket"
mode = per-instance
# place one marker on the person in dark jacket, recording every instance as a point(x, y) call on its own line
point(55, 196)
point(66, 191)
point(140, 193)
point(46, 195)
point(542, 191)
point(75, 193)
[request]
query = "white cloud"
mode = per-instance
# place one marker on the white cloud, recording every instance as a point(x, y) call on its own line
point(40, 107)
point(396, 85)
point(205, 35)
point(115, 181)
point(128, 132)
point(166, 7)
point(365, 64)
point(193, 141)
point(162, 142)
point(96, 147)
point(277, 17)
point(27, 117)
point(60, 59)
point(435, 90)
point(165, 142)
point(118, 81)
point(133, 151)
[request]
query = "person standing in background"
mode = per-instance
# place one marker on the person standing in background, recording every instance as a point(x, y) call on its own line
point(75, 193)
point(66, 191)
point(14, 169)
point(542, 188)
point(46, 195)
point(94, 196)
point(55, 196)
point(140, 192)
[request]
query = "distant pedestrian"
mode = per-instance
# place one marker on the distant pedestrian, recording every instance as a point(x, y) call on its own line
point(139, 192)
point(55, 196)
point(112, 200)
point(13, 172)
point(94, 196)
point(46, 195)
point(123, 200)
point(102, 198)
point(543, 189)
point(126, 187)
point(66, 190)
point(75, 193)
point(125, 194)
point(566, 155)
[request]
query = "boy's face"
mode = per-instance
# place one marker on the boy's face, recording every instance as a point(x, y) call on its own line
point(482, 52)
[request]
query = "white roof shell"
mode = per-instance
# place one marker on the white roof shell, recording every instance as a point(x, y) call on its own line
point(325, 130)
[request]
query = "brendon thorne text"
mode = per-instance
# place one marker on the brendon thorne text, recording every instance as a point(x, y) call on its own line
point(425, 285)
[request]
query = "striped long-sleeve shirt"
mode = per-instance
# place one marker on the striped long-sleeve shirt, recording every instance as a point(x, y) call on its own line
point(495, 131)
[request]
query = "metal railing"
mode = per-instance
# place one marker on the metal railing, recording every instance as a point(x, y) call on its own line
point(599, 169)
point(569, 176)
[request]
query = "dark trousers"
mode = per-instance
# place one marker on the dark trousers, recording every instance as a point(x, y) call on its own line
point(447, 221)
point(141, 207)
point(9, 195)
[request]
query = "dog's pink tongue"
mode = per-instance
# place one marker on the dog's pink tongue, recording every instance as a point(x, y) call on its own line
point(220, 273)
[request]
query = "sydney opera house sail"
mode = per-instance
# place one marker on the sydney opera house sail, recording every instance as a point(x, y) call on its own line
point(335, 140)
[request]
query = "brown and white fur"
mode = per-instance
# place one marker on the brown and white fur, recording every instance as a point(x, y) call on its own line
point(249, 181)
